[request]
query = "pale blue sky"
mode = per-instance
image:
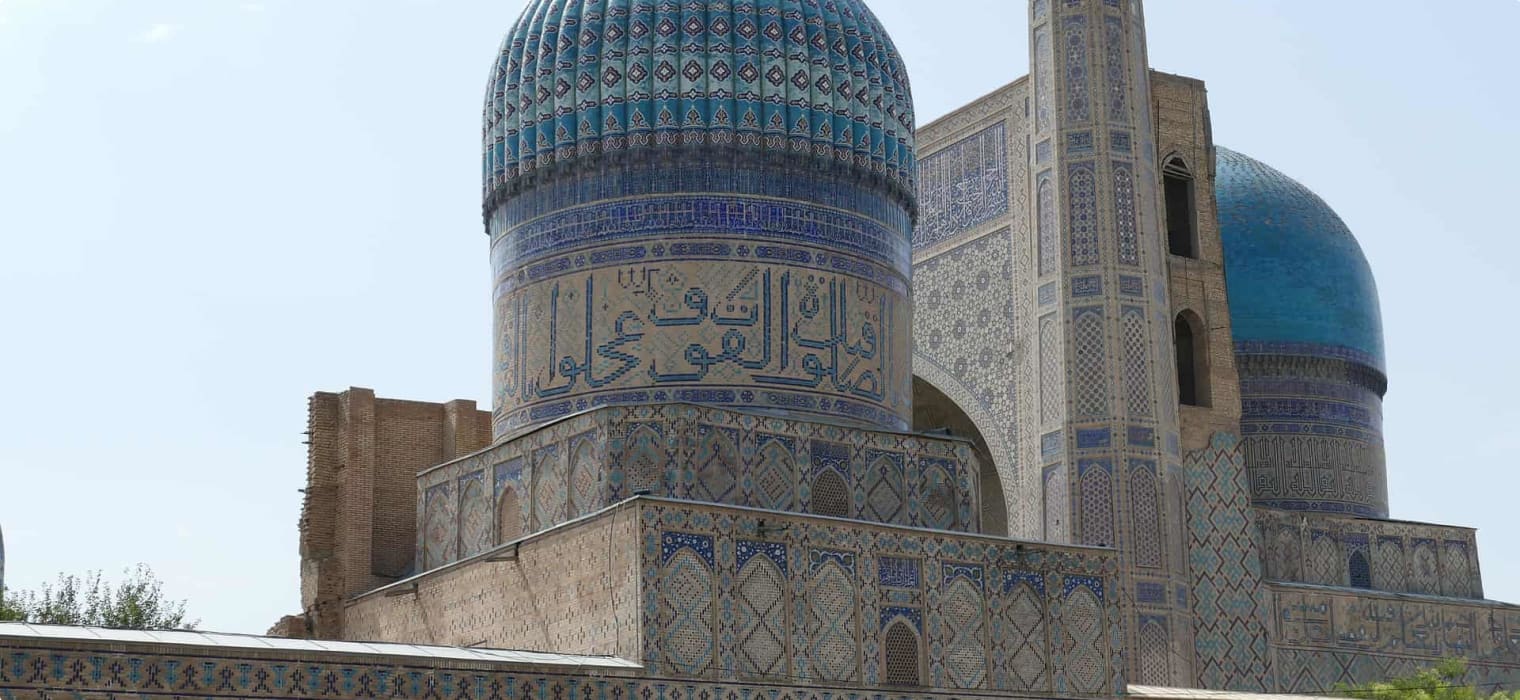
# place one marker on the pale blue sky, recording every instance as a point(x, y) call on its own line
point(210, 209)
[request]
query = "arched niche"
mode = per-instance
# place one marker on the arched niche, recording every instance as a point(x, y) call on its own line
point(935, 411)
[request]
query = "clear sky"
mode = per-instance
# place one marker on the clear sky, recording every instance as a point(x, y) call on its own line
point(210, 209)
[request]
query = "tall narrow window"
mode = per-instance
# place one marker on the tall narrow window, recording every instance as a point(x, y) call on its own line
point(1192, 361)
point(1178, 183)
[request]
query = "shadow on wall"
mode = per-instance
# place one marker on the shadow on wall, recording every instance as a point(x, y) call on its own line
point(933, 411)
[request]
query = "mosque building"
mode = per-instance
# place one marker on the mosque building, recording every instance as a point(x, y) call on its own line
point(795, 399)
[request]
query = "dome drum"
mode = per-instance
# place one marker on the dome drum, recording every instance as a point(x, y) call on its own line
point(702, 202)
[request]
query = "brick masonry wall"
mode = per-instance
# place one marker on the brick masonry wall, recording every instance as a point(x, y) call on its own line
point(358, 520)
point(572, 590)
point(1198, 285)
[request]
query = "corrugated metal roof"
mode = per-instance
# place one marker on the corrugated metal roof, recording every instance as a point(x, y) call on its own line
point(248, 641)
point(1156, 692)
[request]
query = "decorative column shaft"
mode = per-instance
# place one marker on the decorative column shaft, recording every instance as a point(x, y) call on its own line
point(1101, 337)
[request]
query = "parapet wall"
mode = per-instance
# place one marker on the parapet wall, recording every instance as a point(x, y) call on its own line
point(572, 590)
point(1383, 555)
point(37, 668)
point(1322, 636)
point(721, 593)
point(587, 462)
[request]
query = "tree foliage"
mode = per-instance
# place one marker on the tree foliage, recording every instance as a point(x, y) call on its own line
point(1443, 681)
point(136, 602)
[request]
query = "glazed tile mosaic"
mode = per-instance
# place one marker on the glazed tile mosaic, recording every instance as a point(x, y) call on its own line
point(582, 464)
point(797, 399)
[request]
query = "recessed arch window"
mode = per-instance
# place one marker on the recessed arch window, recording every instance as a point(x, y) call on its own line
point(1360, 570)
point(900, 647)
point(830, 495)
point(508, 517)
point(1191, 340)
point(1181, 233)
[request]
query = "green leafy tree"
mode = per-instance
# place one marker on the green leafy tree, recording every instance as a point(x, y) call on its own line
point(1443, 681)
point(137, 602)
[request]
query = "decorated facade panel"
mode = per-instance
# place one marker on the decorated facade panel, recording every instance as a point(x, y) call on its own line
point(746, 594)
point(585, 463)
point(1382, 555)
point(1322, 637)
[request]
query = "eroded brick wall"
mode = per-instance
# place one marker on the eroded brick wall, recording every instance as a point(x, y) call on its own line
point(1197, 285)
point(572, 591)
point(359, 518)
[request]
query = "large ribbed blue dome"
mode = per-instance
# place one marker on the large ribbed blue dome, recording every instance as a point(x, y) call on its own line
point(1297, 277)
point(577, 78)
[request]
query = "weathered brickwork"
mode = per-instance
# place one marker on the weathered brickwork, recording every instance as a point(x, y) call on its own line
point(358, 518)
point(573, 590)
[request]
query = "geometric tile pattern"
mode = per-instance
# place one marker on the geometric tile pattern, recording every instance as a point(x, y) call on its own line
point(1137, 365)
point(1077, 103)
point(964, 622)
point(1229, 620)
point(1144, 509)
point(761, 603)
point(549, 492)
point(962, 185)
point(1044, 82)
point(963, 319)
point(1097, 506)
point(147, 670)
point(1124, 214)
point(832, 623)
point(701, 453)
point(1085, 642)
point(1023, 626)
point(1090, 373)
point(983, 621)
point(1051, 385)
point(584, 476)
point(1324, 637)
point(437, 531)
point(1155, 648)
point(1384, 555)
point(686, 592)
point(757, 74)
point(475, 521)
point(1084, 216)
point(901, 659)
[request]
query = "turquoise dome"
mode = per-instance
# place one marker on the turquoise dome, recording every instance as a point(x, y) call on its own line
point(579, 78)
point(1298, 281)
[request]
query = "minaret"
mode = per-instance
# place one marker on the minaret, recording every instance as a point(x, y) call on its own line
point(1101, 352)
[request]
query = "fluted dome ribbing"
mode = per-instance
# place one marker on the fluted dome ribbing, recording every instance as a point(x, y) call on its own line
point(576, 78)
